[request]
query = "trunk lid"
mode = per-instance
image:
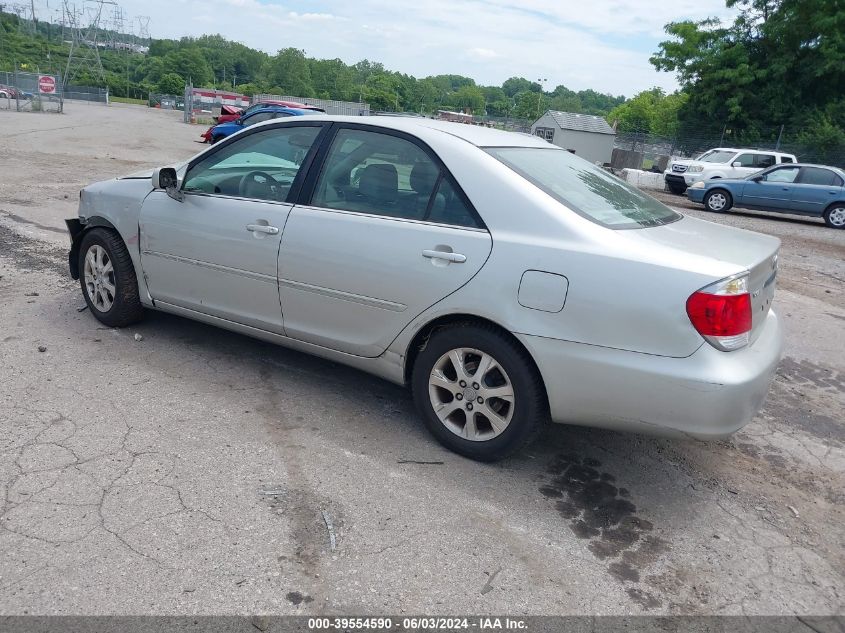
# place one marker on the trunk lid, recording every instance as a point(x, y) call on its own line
point(719, 251)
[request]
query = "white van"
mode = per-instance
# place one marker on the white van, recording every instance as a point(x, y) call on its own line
point(721, 162)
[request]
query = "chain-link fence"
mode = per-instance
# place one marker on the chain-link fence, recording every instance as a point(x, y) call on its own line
point(641, 150)
point(87, 94)
point(166, 102)
point(30, 92)
point(201, 105)
point(350, 108)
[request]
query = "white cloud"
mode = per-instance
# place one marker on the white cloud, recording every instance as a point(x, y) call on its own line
point(603, 44)
point(482, 53)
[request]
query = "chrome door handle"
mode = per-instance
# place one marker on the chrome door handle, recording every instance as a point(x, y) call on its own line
point(262, 228)
point(456, 258)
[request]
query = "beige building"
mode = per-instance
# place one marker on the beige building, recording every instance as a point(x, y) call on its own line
point(585, 135)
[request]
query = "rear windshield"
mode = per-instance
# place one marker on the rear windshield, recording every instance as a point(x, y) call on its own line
point(586, 189)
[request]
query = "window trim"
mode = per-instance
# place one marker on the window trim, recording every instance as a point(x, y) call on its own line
point(309, 184)
point(272, 124)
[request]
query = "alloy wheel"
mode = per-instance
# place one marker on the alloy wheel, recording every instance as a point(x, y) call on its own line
point(471, 394)
point(99, 278)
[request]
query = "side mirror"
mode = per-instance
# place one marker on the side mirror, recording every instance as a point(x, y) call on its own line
point(737, 164)
point(166, 178)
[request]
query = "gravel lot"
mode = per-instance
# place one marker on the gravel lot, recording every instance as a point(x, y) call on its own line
point(194, 471)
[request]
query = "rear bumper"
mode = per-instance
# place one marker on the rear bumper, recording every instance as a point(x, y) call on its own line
point(707, 395)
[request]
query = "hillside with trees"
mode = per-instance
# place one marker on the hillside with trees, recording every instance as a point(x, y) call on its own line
point(214, 61)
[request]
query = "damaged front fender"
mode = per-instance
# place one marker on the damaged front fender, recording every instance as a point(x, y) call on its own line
point(77, 228)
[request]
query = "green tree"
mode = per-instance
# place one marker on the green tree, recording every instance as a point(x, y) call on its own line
point(171, 84)
point(289, 70)
point(777, 61)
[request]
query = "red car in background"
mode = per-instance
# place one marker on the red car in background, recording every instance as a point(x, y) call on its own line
point(232, 113)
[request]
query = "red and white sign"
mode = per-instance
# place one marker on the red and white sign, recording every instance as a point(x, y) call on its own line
point(46, 84)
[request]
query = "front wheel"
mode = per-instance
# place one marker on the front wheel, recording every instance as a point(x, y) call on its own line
point(478, 392)
point(834, 217)
point(718, 201)
point(108, 279)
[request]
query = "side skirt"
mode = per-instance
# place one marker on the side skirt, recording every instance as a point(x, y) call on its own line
point(387, 366)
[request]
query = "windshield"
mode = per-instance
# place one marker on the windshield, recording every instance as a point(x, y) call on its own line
point(717, 157)
point(585, 188)
point(705, 154)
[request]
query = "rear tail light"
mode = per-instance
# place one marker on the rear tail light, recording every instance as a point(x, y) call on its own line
point(721, 313)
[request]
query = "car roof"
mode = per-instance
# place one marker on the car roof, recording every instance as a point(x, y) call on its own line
point(477, 135)
point(279, 108)
point(838, 170)
point(749, 150)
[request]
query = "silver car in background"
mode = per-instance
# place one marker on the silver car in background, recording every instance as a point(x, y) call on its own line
point(506, 281)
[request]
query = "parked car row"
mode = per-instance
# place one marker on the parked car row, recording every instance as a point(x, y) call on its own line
point(10, 92)
point(257, 112)
point(721, 162)
point(725, 177)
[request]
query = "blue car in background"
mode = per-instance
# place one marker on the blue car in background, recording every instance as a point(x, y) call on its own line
point(816, 190)
point(265, 113)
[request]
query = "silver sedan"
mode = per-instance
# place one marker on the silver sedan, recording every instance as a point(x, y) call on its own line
point(506, 281)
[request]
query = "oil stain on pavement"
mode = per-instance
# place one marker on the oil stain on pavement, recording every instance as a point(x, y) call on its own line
point(600, 511)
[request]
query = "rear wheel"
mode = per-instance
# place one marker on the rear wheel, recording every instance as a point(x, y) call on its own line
point(834, 217)
point(718, 201)
point(478, 392)
point(108, 279)
point(676, 188)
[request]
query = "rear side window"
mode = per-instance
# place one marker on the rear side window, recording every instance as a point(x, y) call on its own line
point(764, 160)
point(585, 188)
point(786, 159)
point(382, 174)
point(819, 176)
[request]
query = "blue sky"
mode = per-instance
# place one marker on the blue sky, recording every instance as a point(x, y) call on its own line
point(600, 44)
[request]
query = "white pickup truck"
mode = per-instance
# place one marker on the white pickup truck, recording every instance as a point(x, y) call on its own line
point(721, 162)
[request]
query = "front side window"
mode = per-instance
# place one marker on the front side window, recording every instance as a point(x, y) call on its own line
point(382, 174)
point(819, 176)
point(261, 166)
point(585, 188)
point(784, 174)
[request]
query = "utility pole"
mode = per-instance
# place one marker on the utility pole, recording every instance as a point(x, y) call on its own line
point(542, 83)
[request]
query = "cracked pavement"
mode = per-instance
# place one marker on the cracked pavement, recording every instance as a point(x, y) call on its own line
point(188, 473)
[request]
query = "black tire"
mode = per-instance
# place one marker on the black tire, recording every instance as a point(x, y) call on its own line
point(530, 405)
point(126, 307)
point(711, 200)
point(834, 210)
point(677, 189)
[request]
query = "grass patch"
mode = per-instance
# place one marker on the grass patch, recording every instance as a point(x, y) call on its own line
point(142, 102)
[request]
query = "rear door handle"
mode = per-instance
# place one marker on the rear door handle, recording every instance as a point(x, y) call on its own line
point(456, 258)
point(262, 228)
